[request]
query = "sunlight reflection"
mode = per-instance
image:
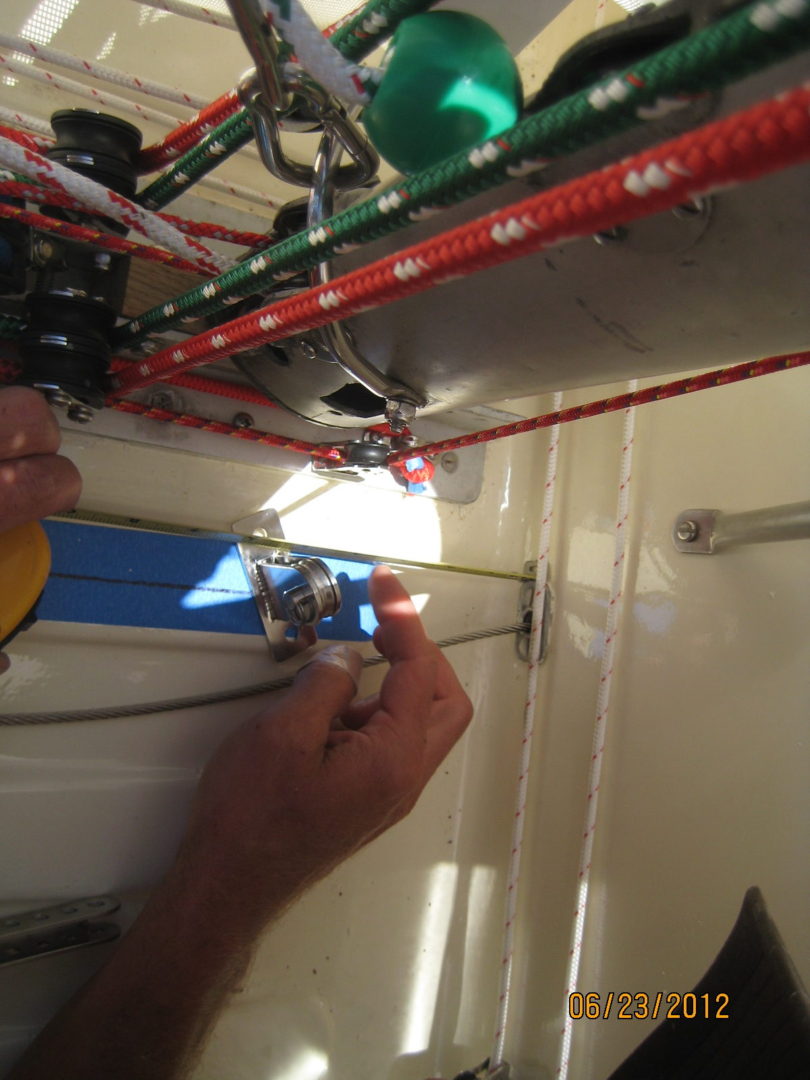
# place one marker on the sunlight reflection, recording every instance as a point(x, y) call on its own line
point(480, 900)
point(224, 585)
point(430, 947)
point(310, 1065)
point(389, 522)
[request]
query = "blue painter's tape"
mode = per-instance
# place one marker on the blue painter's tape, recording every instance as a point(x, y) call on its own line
point(124, 577)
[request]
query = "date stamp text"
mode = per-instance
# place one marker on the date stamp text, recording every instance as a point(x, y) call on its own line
point(626, 1006)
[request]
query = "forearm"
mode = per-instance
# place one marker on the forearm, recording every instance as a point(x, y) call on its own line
point(147, 1013)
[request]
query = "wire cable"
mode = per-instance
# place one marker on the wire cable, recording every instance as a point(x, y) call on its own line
point(117, 712)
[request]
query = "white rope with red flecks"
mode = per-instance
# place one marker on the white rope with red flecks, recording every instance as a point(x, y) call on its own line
point(11, 66)
point(23, 120)
point(239, 191)
point(607, 669)
point(191, 11)
point(110, 204)
point(538, 613)
point(148, 87)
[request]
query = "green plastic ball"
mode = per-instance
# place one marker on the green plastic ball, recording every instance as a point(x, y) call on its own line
point(450, 82)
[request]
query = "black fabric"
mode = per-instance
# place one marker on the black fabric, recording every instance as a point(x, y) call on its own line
point(767, 1034)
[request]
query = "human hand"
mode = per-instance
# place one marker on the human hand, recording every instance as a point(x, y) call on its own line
point(314, 777)
point(34, 481)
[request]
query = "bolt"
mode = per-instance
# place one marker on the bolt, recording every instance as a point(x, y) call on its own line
point(687, 531)
point(58, 398)
point(80, 414)
point(308, 350)
point(449, 461)
point(617, 235)
point(399, 414)
point(692, 209)
point(242, 420)
point(44, 251)
point(403, 442)
point(162, 399)
point(146, 348)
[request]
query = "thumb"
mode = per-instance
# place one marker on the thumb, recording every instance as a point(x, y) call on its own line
point(323, 689)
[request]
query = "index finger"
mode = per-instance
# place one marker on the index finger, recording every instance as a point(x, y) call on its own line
point(400, 635)
point(27, 425)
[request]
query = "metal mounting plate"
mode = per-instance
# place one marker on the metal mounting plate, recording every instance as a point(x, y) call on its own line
point(525, 608)
point(292, 594)
point(46, 931)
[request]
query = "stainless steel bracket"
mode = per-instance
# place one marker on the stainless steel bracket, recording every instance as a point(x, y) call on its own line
point(525, 610)
point(293, 593)
point(401, 402)
point(45, 931)
point(266, 120)
point(705, 532)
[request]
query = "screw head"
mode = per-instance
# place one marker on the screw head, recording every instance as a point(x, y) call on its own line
point(242, 420)
point(44, 250)
point(161, 399)
point(449, 461)
point(80, 414)
point(399, 414)
point(617, 235)
point(687, 531)
point(58, 398)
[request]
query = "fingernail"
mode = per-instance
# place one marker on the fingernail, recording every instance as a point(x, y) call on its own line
point(340, 656)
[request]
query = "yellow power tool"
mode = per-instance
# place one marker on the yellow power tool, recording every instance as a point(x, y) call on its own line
point(25, 562)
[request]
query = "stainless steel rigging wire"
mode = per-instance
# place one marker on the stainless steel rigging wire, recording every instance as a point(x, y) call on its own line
point(198, 700)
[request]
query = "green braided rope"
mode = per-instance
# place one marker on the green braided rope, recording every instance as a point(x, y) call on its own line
point(10, 327)
point(377, 21)
point(232, 134)
point(226, 138)
point(720, 54)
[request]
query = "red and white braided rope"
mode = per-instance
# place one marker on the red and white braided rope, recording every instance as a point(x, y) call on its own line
point(529, 715)
point(58, 58)
point(762, 139)
point(606, 671)
point(32, 193)
point(185, 136)
point(95, 236)
point(239, 191)
point(661, 392)
point(10, 371)
point(38, 143)
point(23, 120)
point(248, 434)
point(9, 65)
point(191, 11)
point(110, 204)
